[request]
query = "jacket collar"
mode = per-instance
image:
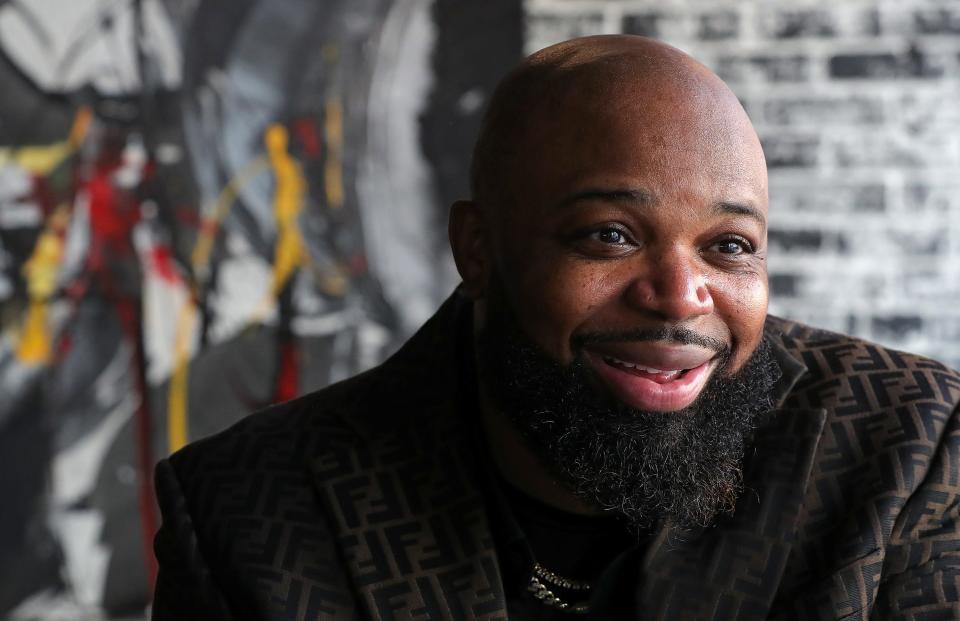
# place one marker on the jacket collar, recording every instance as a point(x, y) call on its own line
point(733, 570)
point(401, 489)
point(791, 367)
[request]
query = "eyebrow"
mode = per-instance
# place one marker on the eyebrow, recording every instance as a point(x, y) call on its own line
point(645, 198)
point(619, 195)
point(740, 209)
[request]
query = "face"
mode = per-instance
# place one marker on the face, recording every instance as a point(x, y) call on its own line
point(635, 240)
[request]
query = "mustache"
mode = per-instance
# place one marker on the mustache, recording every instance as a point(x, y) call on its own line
point(668, 334)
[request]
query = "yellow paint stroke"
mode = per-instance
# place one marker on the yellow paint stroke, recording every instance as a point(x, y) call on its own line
point(40, 272)
point(81, 126)
point(289, 188)
point(37, 160)
point(41, 160)
point(203, 249)
point(178, 390)
point(333, 164)
point(287, 205)
point(177, 408)
point(34, 346)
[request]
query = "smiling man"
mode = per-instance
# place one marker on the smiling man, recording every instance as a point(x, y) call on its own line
point(615, 250)
point(603, 421)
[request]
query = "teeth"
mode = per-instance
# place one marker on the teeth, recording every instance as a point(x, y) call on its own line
point(619, 362)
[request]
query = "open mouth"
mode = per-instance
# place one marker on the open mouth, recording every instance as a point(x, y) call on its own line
point(650, 388)
point(659, 376)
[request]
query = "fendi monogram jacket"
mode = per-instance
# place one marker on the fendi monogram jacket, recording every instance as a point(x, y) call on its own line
point(361, 501)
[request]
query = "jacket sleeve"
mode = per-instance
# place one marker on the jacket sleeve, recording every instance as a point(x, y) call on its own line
point(185, 589)
point(921, 573)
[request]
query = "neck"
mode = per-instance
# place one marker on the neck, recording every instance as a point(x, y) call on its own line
point(521, 466)
point(513, 457)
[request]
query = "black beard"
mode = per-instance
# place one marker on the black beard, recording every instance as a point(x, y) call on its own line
point(684, 467)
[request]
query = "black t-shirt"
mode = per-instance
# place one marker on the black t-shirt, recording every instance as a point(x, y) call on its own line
point(599, 550)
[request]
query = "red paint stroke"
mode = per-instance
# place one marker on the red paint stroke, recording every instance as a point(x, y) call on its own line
point(306, 132)
point(76, 288)
point(144, 438)
point(188, 217)
point(106, 221)
point(287, 382)
point(113, 215)
point(131, 321)
point(358, 264)
point(161, 259)
point(63, 346)
point(209, 227)
point(43, 194)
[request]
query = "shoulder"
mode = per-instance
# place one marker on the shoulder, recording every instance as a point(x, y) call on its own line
point(891, 416)
point(241, 515)
point(261, 469)
point(856, 376)
point(881, 494)
point(279, 439)
point(228, 491)
point(338, 424)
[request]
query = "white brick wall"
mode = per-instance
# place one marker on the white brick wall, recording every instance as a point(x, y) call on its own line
point(858, 106)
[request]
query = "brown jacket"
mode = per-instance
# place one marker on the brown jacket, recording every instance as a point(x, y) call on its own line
point(360, 501)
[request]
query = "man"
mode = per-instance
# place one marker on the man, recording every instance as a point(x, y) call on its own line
point(603, 421)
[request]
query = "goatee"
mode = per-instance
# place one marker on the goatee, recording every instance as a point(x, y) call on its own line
point(684, 467)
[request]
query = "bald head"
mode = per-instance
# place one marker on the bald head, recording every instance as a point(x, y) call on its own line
point(572, 86)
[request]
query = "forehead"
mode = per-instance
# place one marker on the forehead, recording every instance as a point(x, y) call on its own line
point(688, 139)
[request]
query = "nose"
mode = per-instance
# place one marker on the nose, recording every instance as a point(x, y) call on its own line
point(673, 286)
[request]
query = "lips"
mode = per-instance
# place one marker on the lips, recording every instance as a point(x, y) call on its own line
point(661, 376)
point(653, 376)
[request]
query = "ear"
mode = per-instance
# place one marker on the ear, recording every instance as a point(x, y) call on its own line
point(470, 244)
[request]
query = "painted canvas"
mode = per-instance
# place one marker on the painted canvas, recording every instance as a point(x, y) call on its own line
point(206, 206)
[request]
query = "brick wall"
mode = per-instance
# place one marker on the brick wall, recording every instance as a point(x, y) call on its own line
point(858, 108)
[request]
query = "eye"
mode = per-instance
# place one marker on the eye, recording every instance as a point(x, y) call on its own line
point(603, 241)
point(733, 246)
point(610, 235)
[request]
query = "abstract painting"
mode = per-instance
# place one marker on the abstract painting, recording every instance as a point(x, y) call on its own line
point(206, 206)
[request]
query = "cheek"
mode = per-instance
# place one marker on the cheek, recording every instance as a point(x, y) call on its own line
point(742, 304)
point(552, 302)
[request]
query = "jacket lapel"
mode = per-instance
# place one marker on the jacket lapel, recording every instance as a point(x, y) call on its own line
point(733, 570)
point(401, 489)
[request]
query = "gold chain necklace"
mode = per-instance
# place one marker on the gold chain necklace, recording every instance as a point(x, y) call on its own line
point(541, 591)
